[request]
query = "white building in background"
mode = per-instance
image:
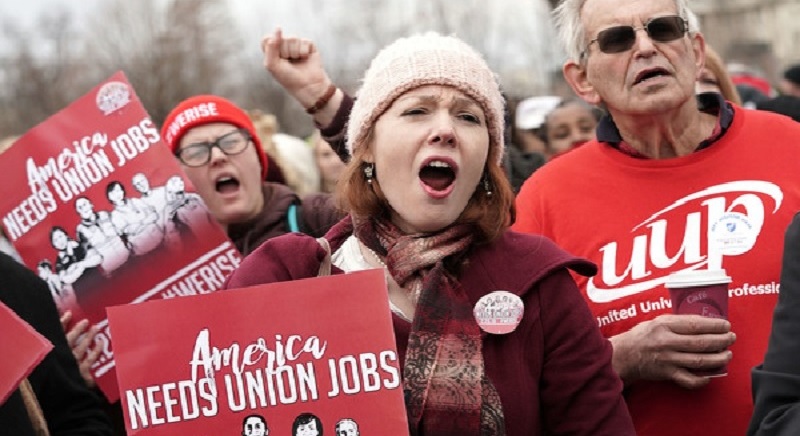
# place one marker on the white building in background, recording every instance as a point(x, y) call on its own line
point(761, 33)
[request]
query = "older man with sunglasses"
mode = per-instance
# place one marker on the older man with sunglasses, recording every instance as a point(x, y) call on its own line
point(667, 187)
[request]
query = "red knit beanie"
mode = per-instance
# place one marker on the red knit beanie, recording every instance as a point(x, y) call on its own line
point(205, 109)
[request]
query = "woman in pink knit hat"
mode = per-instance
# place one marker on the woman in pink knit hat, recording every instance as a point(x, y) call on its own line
point(493, 335)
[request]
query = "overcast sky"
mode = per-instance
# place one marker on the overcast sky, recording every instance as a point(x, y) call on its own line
point(516, 38)
point(25, 12)
point(253, 15)
point(256, 16)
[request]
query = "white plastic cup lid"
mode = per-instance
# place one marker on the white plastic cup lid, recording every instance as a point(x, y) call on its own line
point(700, 277)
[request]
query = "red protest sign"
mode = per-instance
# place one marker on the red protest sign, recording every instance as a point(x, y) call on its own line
point(103, 212)
point(311, 353)
point(24, 347)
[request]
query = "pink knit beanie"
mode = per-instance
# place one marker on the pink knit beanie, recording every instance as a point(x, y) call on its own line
point(429, 59)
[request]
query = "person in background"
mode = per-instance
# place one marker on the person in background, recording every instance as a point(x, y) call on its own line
point(790, 83)
point(265, 126)
point(53, 399)
point(328, 163)
point(528, 149)
point(750, 83)
point(528, 121)
point(567, 126)
point(714, 78)
point(291, 154)
point(431, 207)
point(776, 381)
point(788, 103)
point(667, 187)
point(298, 154)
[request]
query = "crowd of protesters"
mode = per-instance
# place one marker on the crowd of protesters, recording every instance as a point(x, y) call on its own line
point(580, 205)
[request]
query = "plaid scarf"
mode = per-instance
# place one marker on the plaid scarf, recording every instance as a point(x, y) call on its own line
point(446, 388)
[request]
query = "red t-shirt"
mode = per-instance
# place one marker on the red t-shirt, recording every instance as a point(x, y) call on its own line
point(641, 219)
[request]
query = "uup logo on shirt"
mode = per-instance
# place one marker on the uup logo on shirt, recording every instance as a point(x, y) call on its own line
point(732, 229)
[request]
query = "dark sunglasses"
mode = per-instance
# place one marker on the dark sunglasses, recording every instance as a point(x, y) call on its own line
point(618, 39)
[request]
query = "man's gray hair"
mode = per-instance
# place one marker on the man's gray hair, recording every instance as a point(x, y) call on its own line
point(567, 19)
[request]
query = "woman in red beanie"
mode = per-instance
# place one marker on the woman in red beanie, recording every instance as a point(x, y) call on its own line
point(218, 148)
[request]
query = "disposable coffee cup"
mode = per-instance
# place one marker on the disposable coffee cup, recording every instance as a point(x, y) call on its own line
point(700, 292)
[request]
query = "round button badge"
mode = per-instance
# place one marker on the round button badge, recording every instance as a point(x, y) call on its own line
point(733, 234)
point(499, 312)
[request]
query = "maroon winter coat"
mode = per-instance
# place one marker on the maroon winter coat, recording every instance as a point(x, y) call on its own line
point(553, 373)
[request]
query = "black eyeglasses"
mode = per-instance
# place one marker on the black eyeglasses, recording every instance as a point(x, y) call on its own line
point(618, 39)
point(199, 154)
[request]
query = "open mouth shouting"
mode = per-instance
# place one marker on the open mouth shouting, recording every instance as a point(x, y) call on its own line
point(226, 184)
point(437, 176)
point(650, 74)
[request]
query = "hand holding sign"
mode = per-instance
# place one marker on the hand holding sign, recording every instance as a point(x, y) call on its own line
point(79, 338)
